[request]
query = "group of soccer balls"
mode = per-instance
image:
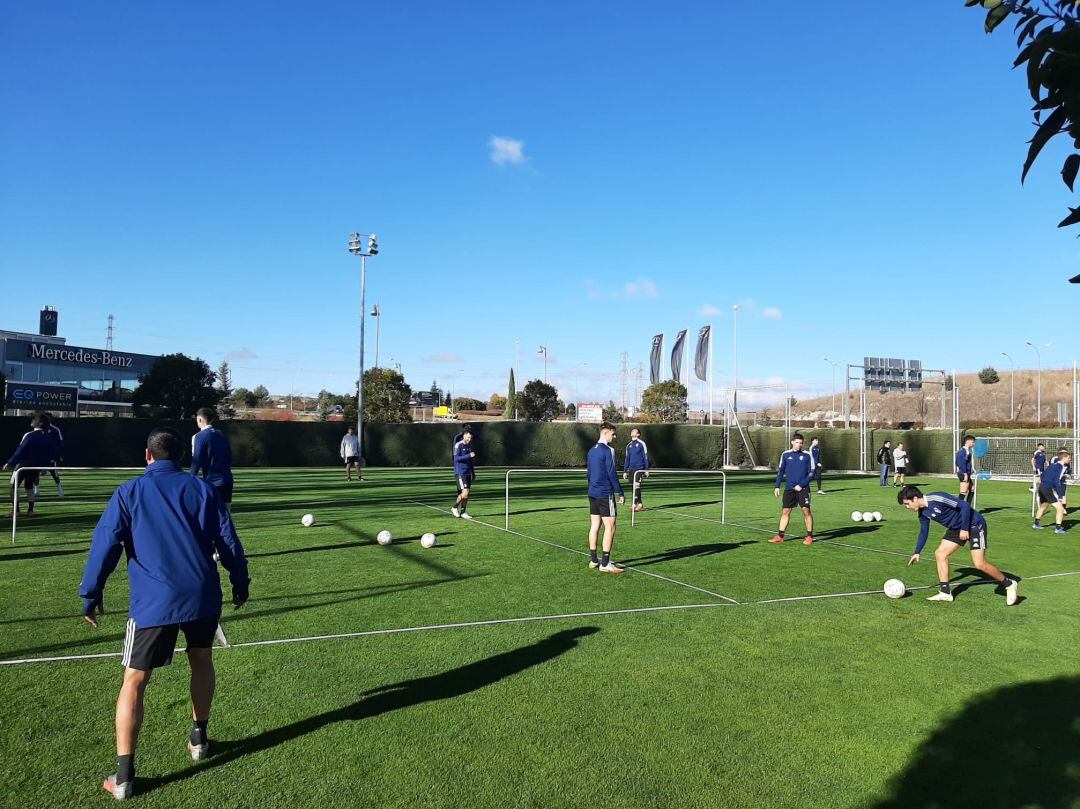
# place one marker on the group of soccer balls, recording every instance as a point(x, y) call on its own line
point(428, 540)
point(866, 516)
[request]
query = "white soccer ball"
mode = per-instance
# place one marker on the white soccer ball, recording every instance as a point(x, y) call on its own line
point(307, 520)
point(856, 516)
point(877, 516)
point(894, 588)
point(867, 516)
point(384, 538)
point(428, 540)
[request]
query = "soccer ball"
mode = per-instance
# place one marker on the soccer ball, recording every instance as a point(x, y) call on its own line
point(384, 538)
point(867, 516)
point(856, 516)
point(894, 588)
point(307, 520)
point(428, 540)
point(877, 516)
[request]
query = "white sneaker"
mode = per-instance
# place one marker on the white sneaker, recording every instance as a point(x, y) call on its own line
point(199, 752)
point(119, 791)
point(455, 511)
point(593, 565)
point(466, 516)
point(940, 596)
point(1011, 594)
point(59, 490)
point(610, 567)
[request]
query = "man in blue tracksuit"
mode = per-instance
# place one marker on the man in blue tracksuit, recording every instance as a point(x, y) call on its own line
point(35, 449)
point(57, 439)
point(635, 460)
point(464, 474)
point(1052, 491)
point(962, 524)
point(212, 455)
point(815, 455)
point(797, 468)
point(965, 468)
point(1038, 465)
point(603, 486)
point(170, 525)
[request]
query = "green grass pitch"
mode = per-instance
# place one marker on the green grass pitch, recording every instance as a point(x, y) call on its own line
point(739, 695)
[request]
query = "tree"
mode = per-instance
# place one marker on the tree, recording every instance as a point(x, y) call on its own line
point(175, 387)
point(225, 388)
point(665, 401)
point(261, 397)
point(571, 411)
point(612, 414)
point(241, 397)
point(1053, 75)
point(327, 402)
point(538, 401)
point(497, 402)
point(989, 376)
point(512, 403)
point(386, 397)
point(465, 403)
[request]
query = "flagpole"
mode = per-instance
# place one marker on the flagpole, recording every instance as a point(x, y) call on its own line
point(710, 375)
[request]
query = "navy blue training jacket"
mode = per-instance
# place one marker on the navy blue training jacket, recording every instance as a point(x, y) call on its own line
point(603, 479)
point(35, 449)
point(211, 454)
point(464, 463)
point(953, 512)
point(637, 455)
point(796, 467)
point(1054, 477)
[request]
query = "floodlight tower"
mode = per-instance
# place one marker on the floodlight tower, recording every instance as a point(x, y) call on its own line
point(1012, 386)
point(358, 248)
point(544, 350)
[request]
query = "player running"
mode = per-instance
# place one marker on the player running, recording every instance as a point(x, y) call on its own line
point(797, 468)
point(965, 469)
point(1052, 491)
point(35, 449)
point(637, 459)
point(1038, 465)
point(465, 473)
point(350, 453)
point(211, 453)
point(815, 454)
point(603, 484)
point(962, 524)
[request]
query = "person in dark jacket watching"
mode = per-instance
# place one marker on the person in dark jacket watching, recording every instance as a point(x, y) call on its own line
point(212, 455)
point(35, 449)
point(885, 459)
point(170, 525)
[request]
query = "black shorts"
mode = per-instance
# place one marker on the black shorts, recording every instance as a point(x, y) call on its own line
point(603, 506)
point(352, 459)
point(900, 470)
point(978, 537)
point(1048, 495)
point(224, 491)
point(794, 498)
point(150, 647)
point(633, 471)
point(962, 476)
point(464, 482)
point(29, 479)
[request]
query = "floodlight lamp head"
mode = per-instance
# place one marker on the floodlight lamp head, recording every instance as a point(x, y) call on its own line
point(354, 243)
point(373, 245)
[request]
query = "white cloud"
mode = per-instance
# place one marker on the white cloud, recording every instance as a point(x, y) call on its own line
point(242, 354)
point(507, 150)
point(640, 288)
point(708, 310)
point(592, 289)
point(772, 313)
point(443, 358)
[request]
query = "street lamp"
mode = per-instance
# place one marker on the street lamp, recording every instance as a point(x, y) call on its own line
point(543, 350)
point(376, 313)
point(1012, 386)
point(358, 248)
point(1038, 394)
point(832, 410)
point(453, 388)
point(735, 350)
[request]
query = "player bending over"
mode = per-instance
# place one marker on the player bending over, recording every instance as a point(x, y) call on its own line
point(962, 524)
point(603, 484)
point(465, 472)
point(35, 449)
point(1052, 491)
point(637, 458)
point(965, 469)
point(797, 469)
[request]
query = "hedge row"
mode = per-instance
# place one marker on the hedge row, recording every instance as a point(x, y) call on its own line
point(120, 442)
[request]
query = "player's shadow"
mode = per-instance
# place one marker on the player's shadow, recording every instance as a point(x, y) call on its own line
point(341, 545)
point(388, 698)
point(706, 549)
point(967, 577)
point(12, 557)
point(1032, 760)
point(845, 531)
point(992, 509)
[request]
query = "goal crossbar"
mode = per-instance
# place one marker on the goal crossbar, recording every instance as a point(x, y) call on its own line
point(532, 471)
point(15, 483)
point(723, 486)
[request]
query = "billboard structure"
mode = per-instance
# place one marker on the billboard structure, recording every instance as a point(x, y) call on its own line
point(590, 412)
point(890, 375)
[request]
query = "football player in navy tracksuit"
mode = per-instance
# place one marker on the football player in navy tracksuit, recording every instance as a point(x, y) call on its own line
point(1038, 465)
point(603, 485)
point(170, 525)
point(815, 455)
point(464, 473)
point(1052, 491)
point(57, 439)
point(965, 469)
point(35, 449)
point(797, 468)
point(212, 455)
point(963, 524)
point(636, 459)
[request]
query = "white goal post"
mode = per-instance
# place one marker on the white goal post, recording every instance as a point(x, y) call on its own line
point(723, 487)
point(59, 469)
point(533, 471)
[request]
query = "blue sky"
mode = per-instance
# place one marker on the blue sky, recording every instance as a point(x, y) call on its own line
point(577, 175)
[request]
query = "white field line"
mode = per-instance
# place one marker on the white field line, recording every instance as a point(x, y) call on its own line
point(583, 553)
point(526, 619)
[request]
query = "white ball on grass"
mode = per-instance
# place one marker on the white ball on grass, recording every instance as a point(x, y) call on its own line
point(877, 516)
point(307, 520)
point(856, 516)
point(867, 516)
point(384, 538)
point(894, 588)
point(428, 540)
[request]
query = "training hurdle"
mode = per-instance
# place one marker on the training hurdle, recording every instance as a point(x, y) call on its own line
point(723, 487)
point(15, 483)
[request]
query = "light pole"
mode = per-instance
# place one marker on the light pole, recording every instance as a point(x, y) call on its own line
point(832, 407)
point(543, 350)
point(735, 350)
point(376, 313)
point(1012, 386)
point(357, 248)
point(1038, 389)
point(453, 388)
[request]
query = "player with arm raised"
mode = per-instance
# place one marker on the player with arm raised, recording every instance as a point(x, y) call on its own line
point(965, 469)
point(1052, 491)
point(963, 524)
point(35, 449)
point(797, 469)
point(603, 485)
point(57, 439)
point(637, 459)
point(464, 473)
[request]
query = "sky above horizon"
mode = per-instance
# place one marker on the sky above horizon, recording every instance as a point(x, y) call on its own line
point(577, 176)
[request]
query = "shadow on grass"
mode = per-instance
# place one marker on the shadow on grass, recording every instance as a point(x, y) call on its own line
point(707, 549)
point(1013, 746)
point(845, 531)
point(387, 698)
point(12, 557)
